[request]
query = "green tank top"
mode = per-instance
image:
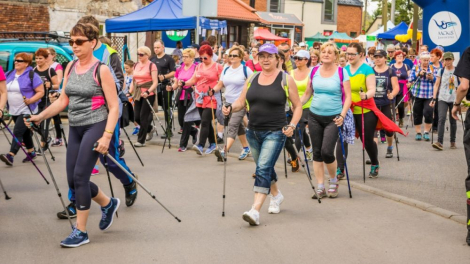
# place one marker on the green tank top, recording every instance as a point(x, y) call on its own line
point(302, 87)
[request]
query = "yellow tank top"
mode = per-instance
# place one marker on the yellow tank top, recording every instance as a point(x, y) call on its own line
point(302, 87)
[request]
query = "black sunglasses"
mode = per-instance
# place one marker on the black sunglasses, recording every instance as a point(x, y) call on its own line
point(299, 58)
point(204, 58)
point(140, 54)
point(285, 51)
point(79, 42)
point(233, 56)
point(19, 61)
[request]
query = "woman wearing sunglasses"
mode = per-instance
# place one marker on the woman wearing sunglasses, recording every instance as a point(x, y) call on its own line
point(233, 79)
point(205, 78)
point(267, 95)
point(143, 88)
point(301, 77)
point(20, 84)
point(93, 115)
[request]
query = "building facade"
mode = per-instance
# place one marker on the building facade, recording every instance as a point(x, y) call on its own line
point(349, 18)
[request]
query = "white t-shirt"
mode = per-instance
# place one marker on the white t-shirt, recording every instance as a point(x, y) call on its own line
point(449, 83)
point(15, 99)
point(234, 80)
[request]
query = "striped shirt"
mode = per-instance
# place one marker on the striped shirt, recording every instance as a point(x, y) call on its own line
point(423, 88)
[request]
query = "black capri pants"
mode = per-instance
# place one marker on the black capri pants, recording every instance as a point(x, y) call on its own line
point(421, 108)
point(324, 134)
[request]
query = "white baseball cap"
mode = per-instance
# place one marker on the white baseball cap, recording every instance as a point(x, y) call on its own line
point(302, 44)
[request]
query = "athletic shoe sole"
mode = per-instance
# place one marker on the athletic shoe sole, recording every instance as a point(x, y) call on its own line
point(5, 159)
point(218, 154)
point(75, 245)
point(114, 212)
point(64, 217)
point(248, 219)
point(198, 151)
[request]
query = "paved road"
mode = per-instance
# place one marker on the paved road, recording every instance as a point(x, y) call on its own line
point(365, 229)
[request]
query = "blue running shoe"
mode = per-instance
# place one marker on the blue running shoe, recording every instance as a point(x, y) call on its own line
point(136, 131)
point(75, 239)
point(418, 137)
point(245, 153)
point(198, 149)
point(7, 158)
point(30, 157)
point(426, 136)
point(210, 149)
point(107, 213)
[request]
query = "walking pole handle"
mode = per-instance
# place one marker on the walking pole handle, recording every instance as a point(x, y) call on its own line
point(96, 145)
point(33, 126)
point(227, 118)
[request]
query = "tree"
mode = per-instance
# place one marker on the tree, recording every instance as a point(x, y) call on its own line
point(403, 11)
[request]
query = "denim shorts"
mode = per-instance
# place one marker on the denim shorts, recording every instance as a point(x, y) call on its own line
point(265, 147)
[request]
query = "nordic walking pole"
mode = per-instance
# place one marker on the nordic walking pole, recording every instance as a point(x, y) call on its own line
point(9, 142)
point(394, 113)
point(344, 158)
point(158, 119)
point(226, 121)
point(39, 146)
point(34, 127)
point(21, 146)
point(461, 119)
point(363, 140)
point(137, 181)
point(304, 164)
point(285, 161)
point(109, 179)
point(215, 122)
point(5, 192)
point(63, 133)
point(130, 142)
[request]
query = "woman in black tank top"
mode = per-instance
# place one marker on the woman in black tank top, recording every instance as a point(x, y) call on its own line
point(266, 95)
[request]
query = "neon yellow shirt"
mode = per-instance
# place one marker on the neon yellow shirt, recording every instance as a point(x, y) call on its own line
point(358, 81)
point(302, 87)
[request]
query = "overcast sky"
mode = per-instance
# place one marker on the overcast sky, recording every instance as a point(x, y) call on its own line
point(371, 6)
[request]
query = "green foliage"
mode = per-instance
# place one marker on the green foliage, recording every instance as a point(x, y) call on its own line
point(403, 11)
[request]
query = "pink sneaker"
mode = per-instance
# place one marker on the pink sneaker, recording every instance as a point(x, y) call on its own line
point(95, 172)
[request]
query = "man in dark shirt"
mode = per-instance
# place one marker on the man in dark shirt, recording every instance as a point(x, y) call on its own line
point(166, 71)
point(463, 72)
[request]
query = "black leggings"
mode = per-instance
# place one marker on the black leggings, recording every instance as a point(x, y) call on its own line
point(57, 124)
point(339, 154)
point(207, 131)
point(302, 124)
point(370, 122)
point(80, 160)
point(324, 134)
point(22, 133)
point(143, 117)
point(401, 106)
point(386, 110)
point(289, 145)
point(421, 108)
point(182, 111)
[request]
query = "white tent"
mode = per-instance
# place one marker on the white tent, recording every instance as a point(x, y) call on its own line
point(390, 25)
point(362, 38)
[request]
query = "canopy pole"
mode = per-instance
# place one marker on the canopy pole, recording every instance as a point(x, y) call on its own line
point(197, 22)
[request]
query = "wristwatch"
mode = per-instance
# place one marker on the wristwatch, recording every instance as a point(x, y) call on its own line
point(292, 125)
point(456, 104)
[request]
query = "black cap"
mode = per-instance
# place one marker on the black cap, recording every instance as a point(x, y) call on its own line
point(196, 46)
point(380, 53)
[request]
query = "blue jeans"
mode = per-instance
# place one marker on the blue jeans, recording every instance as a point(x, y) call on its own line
point(265, 147)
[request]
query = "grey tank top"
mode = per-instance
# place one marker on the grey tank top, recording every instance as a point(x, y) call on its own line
point(86, 98)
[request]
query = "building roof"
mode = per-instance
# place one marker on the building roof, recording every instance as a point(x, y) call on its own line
point(350, 2)
point(236, 10)
point(270, 18)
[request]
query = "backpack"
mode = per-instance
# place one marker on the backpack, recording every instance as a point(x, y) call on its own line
point(341, 78)
point(283, 83)
point(244, 71)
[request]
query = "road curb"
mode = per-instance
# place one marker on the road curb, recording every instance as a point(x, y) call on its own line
point(395, 197)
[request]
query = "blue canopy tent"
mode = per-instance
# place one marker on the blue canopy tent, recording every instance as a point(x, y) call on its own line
point(401, 29)
point(158, 15)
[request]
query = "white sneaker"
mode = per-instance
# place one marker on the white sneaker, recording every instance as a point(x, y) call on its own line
point(138, 145)
point(150, 135)
point(274, 204)
point(252, 217)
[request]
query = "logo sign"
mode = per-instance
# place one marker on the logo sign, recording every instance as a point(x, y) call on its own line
point(175, 35)
point(444, 28)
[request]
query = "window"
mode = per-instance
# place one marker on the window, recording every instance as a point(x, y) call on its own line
point(4, 55)
point(232, 34)
point(275, 6)
point(252, 3)
point(353, 34)
point(329, 10)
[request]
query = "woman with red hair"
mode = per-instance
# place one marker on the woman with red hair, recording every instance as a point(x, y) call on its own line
point(435, 63)
point(205, 78)
point(402, 71)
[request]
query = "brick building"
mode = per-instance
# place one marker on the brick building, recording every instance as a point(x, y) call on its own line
point(259, 5)
point(349, 19)
point(31, 15)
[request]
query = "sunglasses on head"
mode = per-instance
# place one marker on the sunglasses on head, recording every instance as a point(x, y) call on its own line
point(79, 42)
point(285, 51)
point(233, 56)
point(19, 61)
point(299, 58)
point(140, 54)
point(390, 51)
point(204, 58)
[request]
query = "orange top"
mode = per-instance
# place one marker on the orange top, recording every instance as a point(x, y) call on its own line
point(142, 73)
